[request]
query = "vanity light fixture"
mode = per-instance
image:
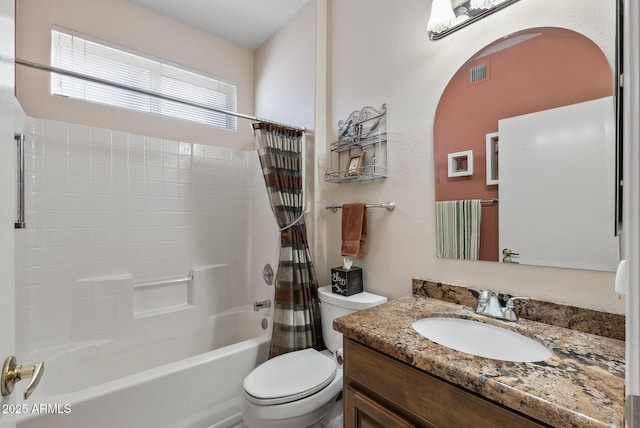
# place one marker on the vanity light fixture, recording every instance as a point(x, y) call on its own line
point(448, 16)
point(442, 17)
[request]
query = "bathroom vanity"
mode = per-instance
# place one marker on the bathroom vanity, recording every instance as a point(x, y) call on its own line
point(380, 391)
point(394, 377)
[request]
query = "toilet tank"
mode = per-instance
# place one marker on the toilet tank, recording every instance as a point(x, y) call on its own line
point(336, 305)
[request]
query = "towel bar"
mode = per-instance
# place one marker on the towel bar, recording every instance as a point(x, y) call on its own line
point(390, 206)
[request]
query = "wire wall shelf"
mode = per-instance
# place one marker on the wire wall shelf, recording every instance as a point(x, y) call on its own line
point(375, 137)
point(360, 153)
point(368, 173)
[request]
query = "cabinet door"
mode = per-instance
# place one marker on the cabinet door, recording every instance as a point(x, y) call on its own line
point(427, 400)
point(361, 411)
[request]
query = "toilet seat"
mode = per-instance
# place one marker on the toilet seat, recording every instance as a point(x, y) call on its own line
point(289, 377)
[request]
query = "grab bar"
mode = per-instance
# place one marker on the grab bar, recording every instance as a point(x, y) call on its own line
point(20, 220)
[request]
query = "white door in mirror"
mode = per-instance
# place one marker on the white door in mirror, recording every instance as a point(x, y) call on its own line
point(557, 169)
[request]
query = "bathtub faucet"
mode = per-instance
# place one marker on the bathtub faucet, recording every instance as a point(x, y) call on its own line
point(261, 305)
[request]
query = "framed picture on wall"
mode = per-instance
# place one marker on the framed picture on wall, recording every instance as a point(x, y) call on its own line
point(492, 158)
point(460, 164)
point(354, 166)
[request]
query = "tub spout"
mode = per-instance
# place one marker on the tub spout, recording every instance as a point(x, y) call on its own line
point(261, 305)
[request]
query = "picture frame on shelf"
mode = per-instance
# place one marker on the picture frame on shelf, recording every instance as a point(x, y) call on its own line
point(354, 166)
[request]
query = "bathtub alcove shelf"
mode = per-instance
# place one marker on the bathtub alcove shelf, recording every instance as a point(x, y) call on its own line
point(361, 150)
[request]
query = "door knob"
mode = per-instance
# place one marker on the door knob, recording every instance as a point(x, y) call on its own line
point(507, 254)
point(13, 373)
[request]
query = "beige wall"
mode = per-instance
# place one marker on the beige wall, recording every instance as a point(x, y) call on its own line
point(126, 24)
point(380, 53)
point(290, 87)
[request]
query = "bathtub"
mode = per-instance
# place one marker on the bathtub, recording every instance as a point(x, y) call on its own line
point(152, 379)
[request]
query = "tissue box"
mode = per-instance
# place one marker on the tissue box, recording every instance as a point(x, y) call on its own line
point(346, 281)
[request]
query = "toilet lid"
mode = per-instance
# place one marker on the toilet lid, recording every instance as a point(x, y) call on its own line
point(289, 377)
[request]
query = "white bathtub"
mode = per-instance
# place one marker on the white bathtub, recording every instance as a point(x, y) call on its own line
point(167, 379)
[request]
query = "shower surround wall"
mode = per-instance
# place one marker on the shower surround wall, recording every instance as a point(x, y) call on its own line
point(106, 209)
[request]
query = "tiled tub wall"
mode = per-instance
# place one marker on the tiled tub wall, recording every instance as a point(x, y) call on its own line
point(105, 209)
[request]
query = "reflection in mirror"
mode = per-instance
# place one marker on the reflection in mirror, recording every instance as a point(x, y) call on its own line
point(535, 109)
point(448, 16)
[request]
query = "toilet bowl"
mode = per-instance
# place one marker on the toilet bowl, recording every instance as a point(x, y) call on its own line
point(297, 389)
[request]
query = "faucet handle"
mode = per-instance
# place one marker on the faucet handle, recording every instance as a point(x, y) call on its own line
point(510, 304)
point(487, 295)
point(475, 290)
point(508, 313)
point(484, 299)
point(482, 295)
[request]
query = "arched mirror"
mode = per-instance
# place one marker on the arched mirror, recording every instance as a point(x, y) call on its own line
point(524, 139)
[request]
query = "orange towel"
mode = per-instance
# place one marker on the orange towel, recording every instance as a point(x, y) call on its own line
point(354, 230)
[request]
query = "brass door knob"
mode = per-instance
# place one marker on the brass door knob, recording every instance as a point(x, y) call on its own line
point(507, 254)
point(13, 373)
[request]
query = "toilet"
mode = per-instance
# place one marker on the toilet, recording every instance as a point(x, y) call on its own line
point(298, 389)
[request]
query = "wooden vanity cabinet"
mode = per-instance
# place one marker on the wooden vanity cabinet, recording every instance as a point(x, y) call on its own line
point(382, 392)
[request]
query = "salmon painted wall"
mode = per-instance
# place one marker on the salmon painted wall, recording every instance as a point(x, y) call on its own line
point(556, 68)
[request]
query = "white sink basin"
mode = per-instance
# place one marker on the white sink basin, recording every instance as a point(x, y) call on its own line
point(483, 340)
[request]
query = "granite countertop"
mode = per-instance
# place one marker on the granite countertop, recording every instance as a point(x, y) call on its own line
point(581, 385)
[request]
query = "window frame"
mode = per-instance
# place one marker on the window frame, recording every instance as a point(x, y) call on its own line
point(162, 77)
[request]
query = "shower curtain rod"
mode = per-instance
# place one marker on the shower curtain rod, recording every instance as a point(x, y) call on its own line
point(86, 77)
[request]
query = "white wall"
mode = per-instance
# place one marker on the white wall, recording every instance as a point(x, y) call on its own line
point(125, 195)
point(9, 115)
point(126, 24)
point(290, 87)
point(285, 71)
point(380, 53)
point(107, 208)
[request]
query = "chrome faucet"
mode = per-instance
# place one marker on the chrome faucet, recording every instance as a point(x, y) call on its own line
point(261, 305)
point(489, 305)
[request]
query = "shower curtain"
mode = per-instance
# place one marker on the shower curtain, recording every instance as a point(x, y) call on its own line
point(296, 316)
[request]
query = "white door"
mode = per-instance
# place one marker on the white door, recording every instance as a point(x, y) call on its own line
point(556, 189)
point(8, 114)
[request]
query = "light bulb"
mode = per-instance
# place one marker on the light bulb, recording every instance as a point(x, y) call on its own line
point(442, 16)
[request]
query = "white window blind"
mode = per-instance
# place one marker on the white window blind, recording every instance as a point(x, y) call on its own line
point(74, 53)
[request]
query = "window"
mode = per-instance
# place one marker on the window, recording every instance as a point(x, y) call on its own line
point(73, 52)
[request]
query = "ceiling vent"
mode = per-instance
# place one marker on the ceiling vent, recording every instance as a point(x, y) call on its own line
point(478, 73)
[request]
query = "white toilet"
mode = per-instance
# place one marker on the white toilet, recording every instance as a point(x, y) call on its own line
point(298, 389)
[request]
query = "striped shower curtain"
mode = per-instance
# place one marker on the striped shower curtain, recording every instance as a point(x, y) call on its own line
point(296, 316)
